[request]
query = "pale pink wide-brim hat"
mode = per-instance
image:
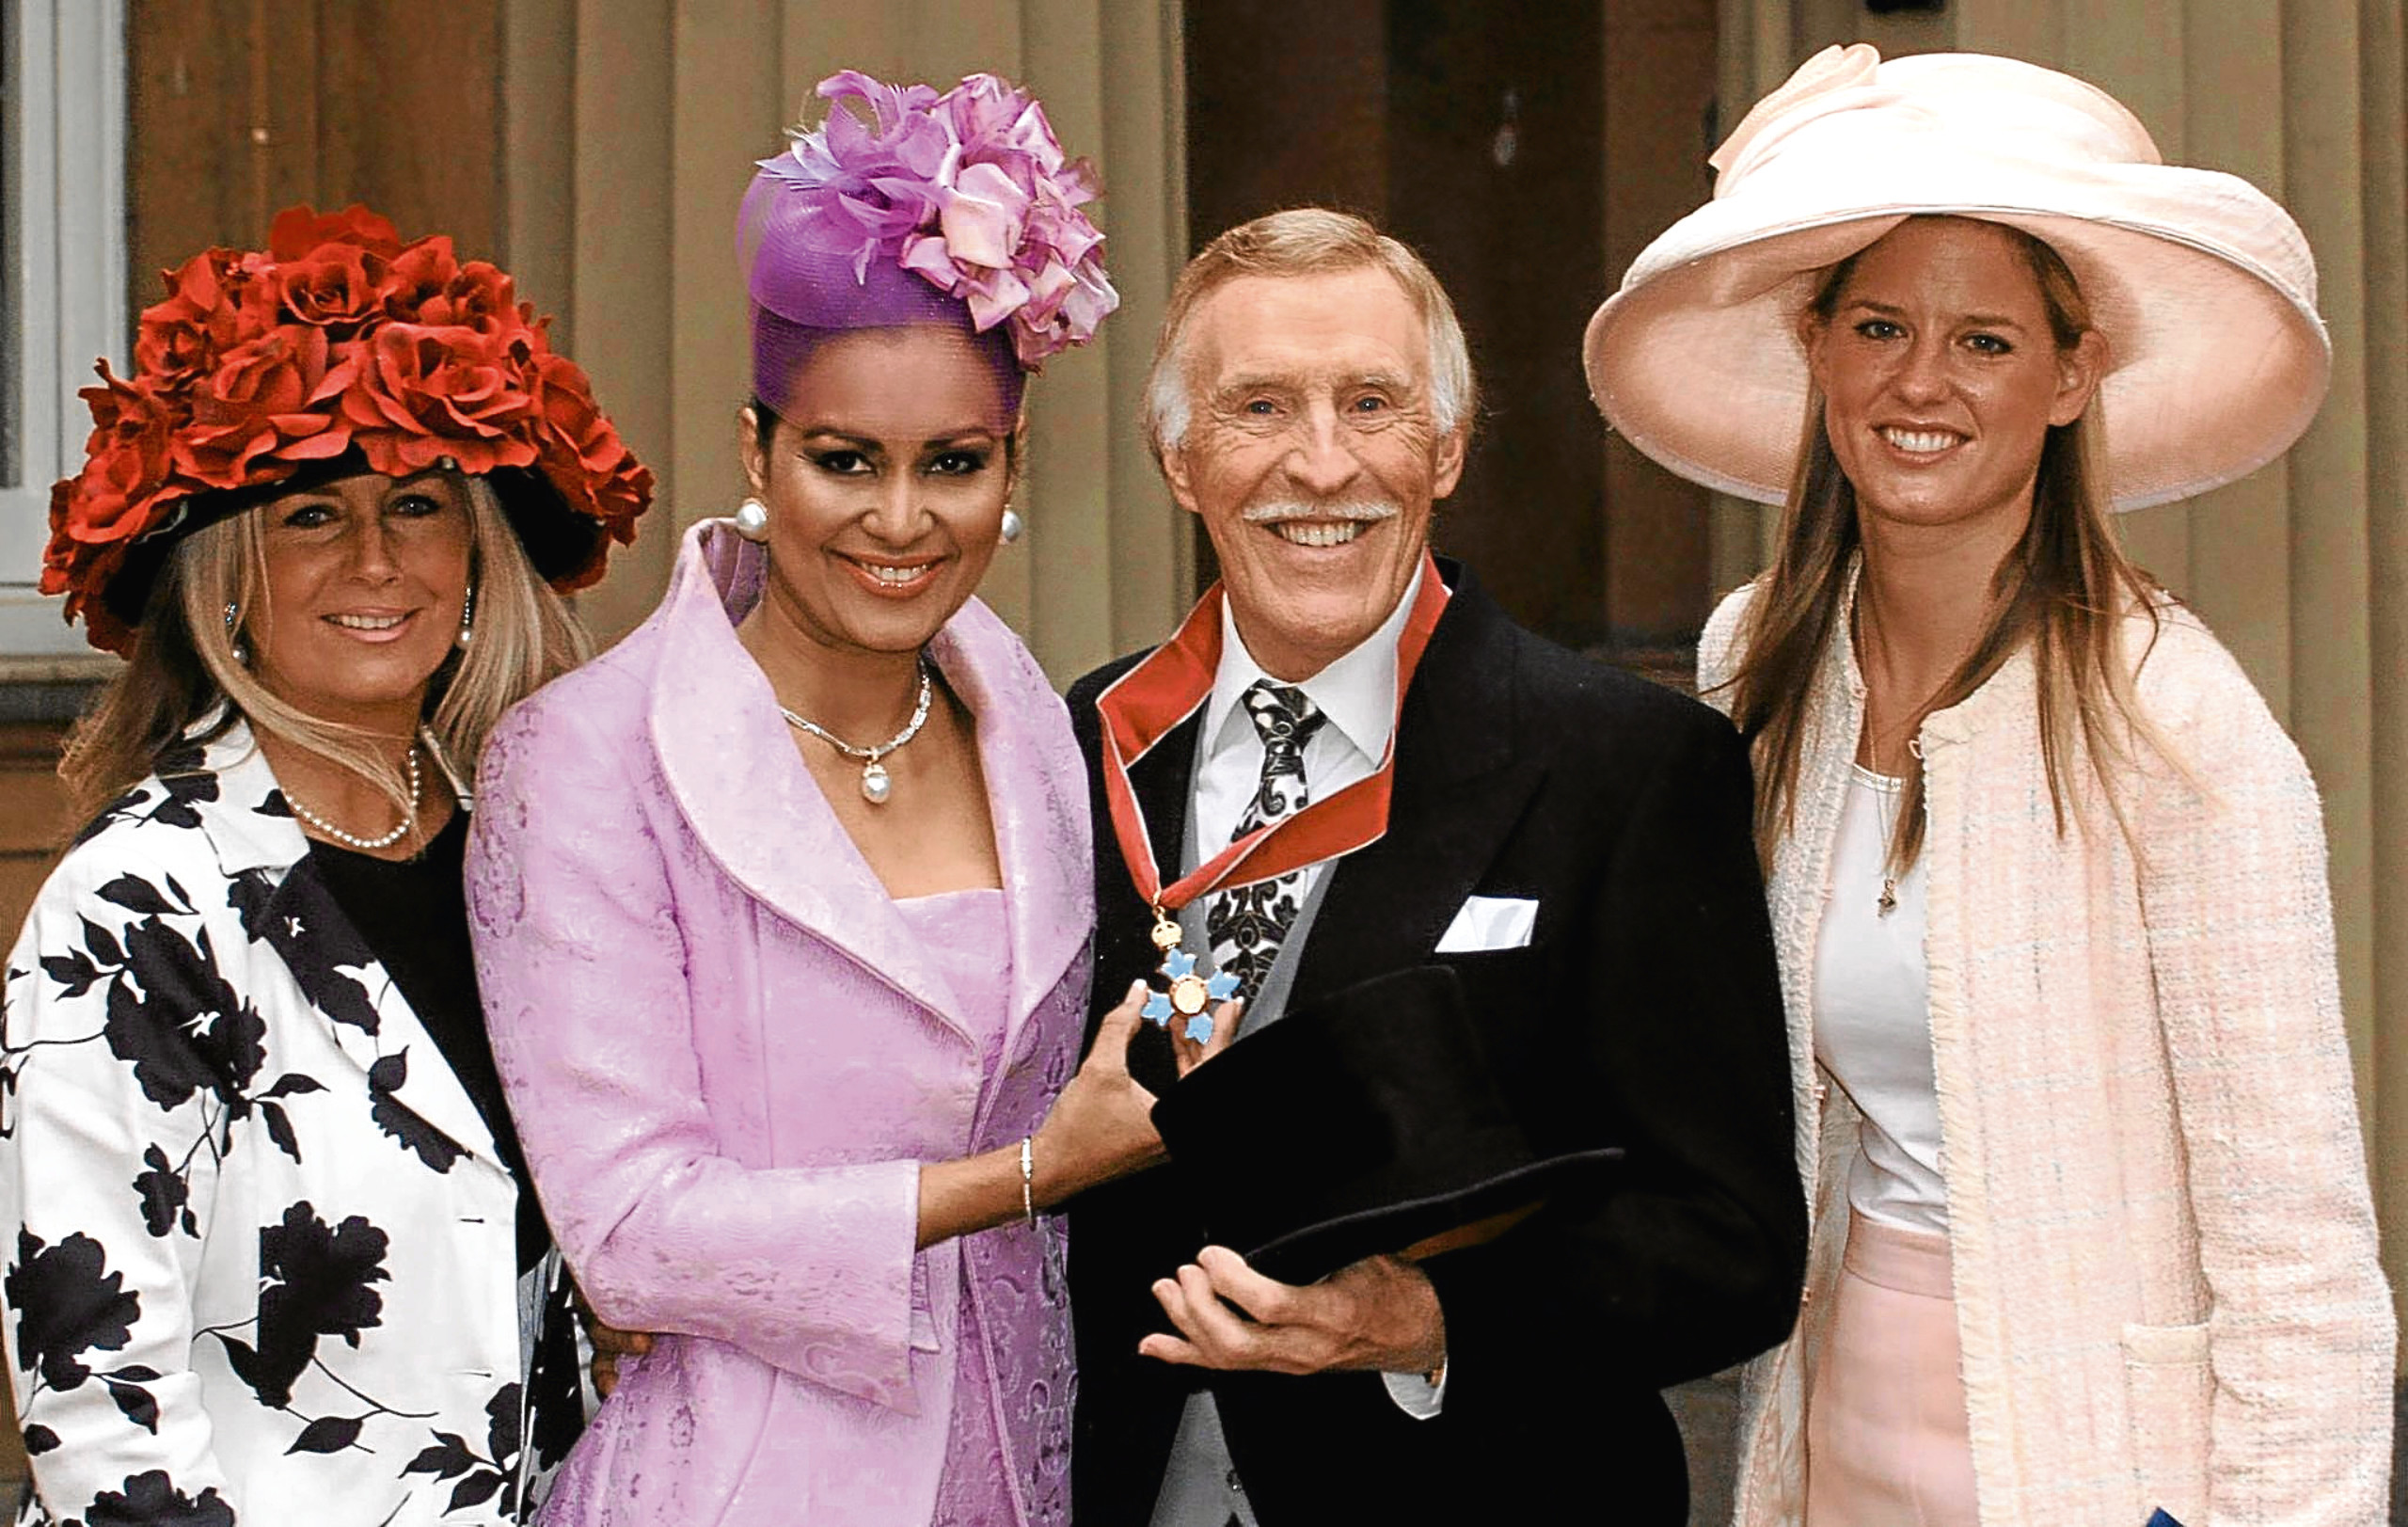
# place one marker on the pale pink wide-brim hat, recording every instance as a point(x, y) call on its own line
point(2203, 287)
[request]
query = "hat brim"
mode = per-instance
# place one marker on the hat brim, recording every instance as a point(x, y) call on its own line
point(2217, 360)
point(559, 543)
point(1311, 1252)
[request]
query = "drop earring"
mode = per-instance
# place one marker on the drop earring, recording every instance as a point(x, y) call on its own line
point(753, 520)
point(242, 653)
point(1013, 525)
point(467, 618)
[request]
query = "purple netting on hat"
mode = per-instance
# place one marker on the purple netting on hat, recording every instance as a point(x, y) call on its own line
point(780, 348)
point(952, 209)
point(808, 283)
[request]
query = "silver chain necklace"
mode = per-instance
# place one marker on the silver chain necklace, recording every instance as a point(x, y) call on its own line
point(400, 829)
point(876, 785)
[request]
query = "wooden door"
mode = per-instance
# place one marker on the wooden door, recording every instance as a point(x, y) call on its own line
point(241, 108)
point(1527, 149)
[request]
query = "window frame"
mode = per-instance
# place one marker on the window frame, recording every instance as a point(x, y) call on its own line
point(67, 130)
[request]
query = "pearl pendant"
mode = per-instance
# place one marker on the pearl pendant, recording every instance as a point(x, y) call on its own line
point(875, 786)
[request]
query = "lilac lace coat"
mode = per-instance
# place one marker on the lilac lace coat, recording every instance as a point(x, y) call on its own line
point(728, 1057)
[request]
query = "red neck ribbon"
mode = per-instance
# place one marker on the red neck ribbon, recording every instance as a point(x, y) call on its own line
point(1150, 701)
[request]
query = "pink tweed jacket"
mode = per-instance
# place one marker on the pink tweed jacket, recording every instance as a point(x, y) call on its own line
point(728, 1056)
point(2165, 1247)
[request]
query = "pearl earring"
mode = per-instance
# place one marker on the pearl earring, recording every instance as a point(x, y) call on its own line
point(1013, 525)
point(753, 520)
point(242, 653)
point(467, 618)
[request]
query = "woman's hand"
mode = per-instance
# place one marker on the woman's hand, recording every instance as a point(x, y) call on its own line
point(1101, 1126)
point(611, 1344)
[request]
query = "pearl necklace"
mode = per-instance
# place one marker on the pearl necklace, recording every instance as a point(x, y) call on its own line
point(876, 784)
point(400, 829)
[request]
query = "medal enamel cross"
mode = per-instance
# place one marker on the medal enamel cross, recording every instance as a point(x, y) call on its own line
point(1189, 994)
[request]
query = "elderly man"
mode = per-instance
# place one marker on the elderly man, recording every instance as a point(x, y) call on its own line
point(1574, 842)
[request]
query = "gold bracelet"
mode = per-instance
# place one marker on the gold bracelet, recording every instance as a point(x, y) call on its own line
point(1028, 1179)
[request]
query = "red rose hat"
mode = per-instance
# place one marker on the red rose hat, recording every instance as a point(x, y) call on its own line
point(338, 349)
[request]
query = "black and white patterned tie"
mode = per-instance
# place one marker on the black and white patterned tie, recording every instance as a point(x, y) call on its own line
point(1247, 924)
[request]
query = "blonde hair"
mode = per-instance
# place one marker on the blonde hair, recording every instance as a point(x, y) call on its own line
point(1305, 241)
point(2067, 589)
point(183, 666)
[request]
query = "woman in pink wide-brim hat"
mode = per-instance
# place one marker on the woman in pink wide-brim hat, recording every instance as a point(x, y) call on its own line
point(2093, 1237)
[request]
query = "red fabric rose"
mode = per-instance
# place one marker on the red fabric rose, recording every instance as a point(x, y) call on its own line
point(335, 287)
point(215, 300)
point(127, 486)
point(126, 465)
point(250, 418)
point(586, 462)
point(418, 275)
point(477, 296)
point(57, 557)
point(298, 231)
point(80, 570)
point(422, 393)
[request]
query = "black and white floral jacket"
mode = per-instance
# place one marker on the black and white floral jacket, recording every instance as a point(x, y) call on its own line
point(265, 1260)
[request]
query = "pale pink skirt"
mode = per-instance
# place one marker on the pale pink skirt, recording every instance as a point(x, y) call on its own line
point(1886, 1437)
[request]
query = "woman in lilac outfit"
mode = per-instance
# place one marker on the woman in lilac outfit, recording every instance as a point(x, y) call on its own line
point(782, 907)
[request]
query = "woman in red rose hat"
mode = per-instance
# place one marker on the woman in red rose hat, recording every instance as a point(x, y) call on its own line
point(275, 1259)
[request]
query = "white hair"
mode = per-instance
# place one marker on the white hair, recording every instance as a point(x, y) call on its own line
point(1306, 241)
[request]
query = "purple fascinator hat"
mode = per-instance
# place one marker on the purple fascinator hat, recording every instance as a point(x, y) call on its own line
point(958, 209)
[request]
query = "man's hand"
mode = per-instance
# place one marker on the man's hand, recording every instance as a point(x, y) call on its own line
point(1379, 1314)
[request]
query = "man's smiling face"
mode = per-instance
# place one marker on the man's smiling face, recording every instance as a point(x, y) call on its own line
point(1313, 456)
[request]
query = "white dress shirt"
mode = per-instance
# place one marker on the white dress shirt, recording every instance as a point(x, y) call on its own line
point(1356, 691)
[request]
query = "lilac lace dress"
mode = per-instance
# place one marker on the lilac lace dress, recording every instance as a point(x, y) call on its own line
point(964, 934)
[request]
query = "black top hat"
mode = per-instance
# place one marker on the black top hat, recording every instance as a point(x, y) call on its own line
point(1361, 1124)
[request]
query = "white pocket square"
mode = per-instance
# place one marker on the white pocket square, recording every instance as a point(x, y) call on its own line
point(1490, 922)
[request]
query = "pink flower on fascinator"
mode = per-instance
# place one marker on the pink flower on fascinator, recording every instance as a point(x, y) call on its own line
point(971, 191)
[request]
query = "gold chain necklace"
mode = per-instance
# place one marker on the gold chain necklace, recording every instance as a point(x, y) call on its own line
point(1886, 808)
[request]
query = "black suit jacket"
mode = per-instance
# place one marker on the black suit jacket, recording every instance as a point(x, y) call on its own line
point(1644, 1014)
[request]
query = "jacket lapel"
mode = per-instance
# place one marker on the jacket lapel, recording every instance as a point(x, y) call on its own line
point(1035, 797)
point(1460, 789)
point(729, 762)
point(411, 1083)
point(284, 902)
point(1164, 783)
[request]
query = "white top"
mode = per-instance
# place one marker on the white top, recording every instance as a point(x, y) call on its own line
point(1872, 1019)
